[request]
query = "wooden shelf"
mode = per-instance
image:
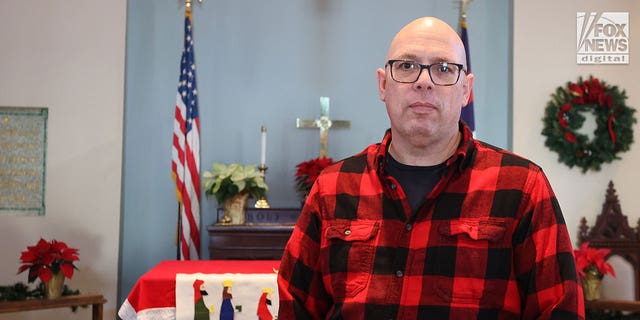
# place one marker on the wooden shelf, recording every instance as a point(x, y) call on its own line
point(613, 305)
point(96, 301)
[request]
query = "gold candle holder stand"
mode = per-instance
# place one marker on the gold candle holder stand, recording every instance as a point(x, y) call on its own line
point(262, 202)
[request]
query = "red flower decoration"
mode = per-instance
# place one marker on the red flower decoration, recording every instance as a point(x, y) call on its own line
point(308, 172)
point(591, 257)
point(577, 93)
point(570, 137)
point(593, 90)
point(561, 116)
point(47, 258)
point(606, 100)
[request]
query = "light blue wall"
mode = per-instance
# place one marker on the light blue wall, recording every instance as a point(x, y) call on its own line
point(267, 63)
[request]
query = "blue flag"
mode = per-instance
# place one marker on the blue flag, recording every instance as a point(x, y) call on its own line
point(467, 112)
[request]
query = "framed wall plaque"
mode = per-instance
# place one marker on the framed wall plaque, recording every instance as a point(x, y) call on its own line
point(23, 145)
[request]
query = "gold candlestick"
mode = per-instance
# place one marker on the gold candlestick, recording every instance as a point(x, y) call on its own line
point(262, 202)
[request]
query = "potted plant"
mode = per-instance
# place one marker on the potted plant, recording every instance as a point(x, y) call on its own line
point(591, 265)
point(307, 173)
point(232, 185)
point(51, 261)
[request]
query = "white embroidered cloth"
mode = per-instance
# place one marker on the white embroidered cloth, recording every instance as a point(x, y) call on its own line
point(250, 293)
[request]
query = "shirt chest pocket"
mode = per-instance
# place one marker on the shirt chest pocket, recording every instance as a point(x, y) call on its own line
point(477, 250)
point(349, 248)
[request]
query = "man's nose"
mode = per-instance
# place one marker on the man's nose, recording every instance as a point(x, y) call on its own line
point(424, 80)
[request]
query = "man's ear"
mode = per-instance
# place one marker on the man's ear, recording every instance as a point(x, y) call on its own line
point(467, 87)
point(382, 83)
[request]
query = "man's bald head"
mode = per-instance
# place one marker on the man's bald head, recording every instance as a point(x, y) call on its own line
point(423, 29)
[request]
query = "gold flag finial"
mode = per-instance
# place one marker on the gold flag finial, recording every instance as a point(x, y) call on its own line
point(189, 5)
point(187, 8)
point(189, 2)
point(464, 4)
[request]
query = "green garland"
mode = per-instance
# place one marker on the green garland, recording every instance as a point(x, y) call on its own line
point(563, 118)
point(20, 291)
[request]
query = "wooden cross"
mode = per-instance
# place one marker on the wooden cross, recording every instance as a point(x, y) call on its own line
point(324, 124)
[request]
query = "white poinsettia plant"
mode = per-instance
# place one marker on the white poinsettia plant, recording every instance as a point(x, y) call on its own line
point(225, 181)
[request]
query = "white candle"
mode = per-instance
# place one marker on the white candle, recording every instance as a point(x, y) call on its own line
point(263, 146)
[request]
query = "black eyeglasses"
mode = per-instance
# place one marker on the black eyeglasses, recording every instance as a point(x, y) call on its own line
point(441, 73)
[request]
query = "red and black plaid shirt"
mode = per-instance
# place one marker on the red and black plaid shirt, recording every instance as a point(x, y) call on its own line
point(489, 242)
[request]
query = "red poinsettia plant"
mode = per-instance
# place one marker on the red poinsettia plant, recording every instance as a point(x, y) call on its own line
point(308, 172)
point(47, 258)
point(591, 258)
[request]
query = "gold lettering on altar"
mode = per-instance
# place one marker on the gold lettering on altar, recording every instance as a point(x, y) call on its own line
point(22, 160)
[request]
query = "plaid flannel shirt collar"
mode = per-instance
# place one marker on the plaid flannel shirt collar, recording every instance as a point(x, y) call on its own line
point(462, 159)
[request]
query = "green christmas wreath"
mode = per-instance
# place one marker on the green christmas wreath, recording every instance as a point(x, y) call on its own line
point(564, 117)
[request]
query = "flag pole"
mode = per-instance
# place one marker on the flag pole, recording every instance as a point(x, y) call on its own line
point(467, 112)
point(178, 233)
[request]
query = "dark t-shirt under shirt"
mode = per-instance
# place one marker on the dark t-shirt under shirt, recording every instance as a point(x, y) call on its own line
point(416, 181)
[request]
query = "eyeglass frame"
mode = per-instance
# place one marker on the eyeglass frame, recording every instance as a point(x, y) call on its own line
point(428, 67)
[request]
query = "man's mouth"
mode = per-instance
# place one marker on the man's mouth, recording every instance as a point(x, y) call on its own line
point(422, 107)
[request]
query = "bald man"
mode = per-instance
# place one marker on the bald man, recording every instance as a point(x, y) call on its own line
point(430, 223)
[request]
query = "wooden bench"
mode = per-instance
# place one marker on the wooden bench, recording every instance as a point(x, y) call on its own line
point(96, 301)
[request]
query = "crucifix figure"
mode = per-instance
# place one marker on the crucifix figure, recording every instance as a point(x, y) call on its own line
point(324, 124)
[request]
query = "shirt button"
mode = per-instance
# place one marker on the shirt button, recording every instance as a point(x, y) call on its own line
point(393, 186)
point(408, 227)
point(399, 273)
point(347, 232)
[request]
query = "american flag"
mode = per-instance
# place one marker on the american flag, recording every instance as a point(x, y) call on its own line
point(185, 162)
point(467, 114)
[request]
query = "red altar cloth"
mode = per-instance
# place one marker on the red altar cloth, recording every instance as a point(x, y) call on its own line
point(155, 290)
